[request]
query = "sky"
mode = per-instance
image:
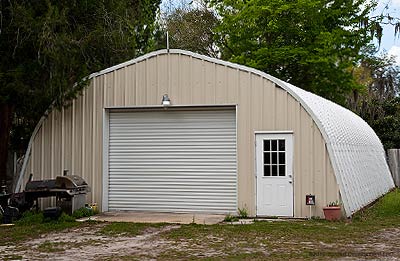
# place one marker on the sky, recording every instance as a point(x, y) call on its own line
point(390, 42)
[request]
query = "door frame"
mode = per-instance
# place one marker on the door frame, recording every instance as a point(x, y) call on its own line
point(281, 132)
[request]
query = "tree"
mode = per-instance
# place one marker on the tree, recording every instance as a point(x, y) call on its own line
point(311, 44)
point(378, 103)
point(190, 27)
point(387, 123)
point(48, 46)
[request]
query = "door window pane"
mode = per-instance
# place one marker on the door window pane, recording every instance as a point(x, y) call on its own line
point(267, 146)
point(281, 145)
point(267, 157)
point(274, 145)
point(267, 170)
point(274, 171)
point(274, 158)
point(282, 170)
point(281, 157)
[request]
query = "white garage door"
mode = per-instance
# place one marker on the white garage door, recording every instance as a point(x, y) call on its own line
point(173, 161)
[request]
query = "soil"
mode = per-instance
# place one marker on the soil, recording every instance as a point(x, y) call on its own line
point(87, 244)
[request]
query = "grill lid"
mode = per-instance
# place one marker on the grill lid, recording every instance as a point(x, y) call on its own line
point(70, 182)
point(40, 185)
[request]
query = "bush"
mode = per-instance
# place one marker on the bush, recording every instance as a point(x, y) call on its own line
point(82, 212)
point(30, 217)
point(66, 218)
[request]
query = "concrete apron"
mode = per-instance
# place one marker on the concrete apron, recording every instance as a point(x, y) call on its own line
point(157, 217)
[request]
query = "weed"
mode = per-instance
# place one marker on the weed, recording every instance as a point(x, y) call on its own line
point(243, 212)
point(230, 218)
point(66, 218)
point(82, 212)
point(30, 217)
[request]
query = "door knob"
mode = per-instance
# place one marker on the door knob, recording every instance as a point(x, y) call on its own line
point(290, 181)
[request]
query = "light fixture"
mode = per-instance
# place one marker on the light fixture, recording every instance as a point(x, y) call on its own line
point(165, 101)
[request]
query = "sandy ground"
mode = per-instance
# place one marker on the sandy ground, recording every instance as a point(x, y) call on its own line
point(87, 244)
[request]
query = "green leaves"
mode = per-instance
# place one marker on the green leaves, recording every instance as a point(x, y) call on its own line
point(309, 43)
point(47, 47)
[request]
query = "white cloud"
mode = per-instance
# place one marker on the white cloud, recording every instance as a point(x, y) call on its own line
point(395, 51)
point(396, 2)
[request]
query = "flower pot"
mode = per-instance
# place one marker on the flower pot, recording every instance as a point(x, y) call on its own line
point(332, 213)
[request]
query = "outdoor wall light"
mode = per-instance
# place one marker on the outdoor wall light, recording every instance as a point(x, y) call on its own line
point(166, 101)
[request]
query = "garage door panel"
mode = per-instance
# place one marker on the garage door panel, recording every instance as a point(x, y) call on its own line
point(173, 161)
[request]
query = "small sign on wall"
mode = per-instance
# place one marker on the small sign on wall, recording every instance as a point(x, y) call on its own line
point(310, 200)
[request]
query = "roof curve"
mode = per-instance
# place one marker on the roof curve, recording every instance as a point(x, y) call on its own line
point(357, 155)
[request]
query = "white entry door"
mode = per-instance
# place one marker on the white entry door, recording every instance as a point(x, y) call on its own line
point(274, 160)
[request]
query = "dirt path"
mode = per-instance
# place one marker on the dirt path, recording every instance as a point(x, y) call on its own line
point(87, 244)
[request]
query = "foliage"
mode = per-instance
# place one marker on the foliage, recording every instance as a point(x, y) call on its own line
point(230, 218)
point(66, 218)
point(83, 212)
point(310, 44)
point(30, 217)
point(32, 224)
point(190, 27)
point(335, 203)
point(379, 103)
point(47, 47)
point(243, 212)
point(387, 126)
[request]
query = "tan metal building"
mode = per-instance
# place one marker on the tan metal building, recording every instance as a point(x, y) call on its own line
point(232, 137)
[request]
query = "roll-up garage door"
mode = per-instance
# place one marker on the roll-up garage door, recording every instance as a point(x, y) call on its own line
point(173, 161)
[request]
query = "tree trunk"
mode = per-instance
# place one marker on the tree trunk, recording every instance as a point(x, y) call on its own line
point(6, 116)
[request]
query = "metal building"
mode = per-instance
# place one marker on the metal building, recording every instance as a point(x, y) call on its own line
point(227, 137)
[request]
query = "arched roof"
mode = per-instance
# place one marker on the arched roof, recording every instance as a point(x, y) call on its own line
point(356, 153)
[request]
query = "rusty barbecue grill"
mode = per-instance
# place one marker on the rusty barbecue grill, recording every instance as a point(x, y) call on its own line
point(70, 192)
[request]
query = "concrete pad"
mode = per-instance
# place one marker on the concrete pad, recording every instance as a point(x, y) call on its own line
point(157, 217)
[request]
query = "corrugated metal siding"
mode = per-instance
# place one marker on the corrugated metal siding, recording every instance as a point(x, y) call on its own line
point(188, 80)
point(180, 161)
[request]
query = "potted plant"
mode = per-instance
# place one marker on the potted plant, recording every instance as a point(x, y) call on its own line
point(332, 211)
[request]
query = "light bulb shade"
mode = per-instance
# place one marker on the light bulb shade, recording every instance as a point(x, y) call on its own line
point(165, 100)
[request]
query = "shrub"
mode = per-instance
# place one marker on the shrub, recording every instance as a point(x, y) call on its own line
point(30, 217)
point(82, 212)
point(66, 218)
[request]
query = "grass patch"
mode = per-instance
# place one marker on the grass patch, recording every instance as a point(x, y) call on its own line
point(360, 238)
point(32, 225)
point(51, 247)
point(384, 210)
point(127, 229)
point(312, 239)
